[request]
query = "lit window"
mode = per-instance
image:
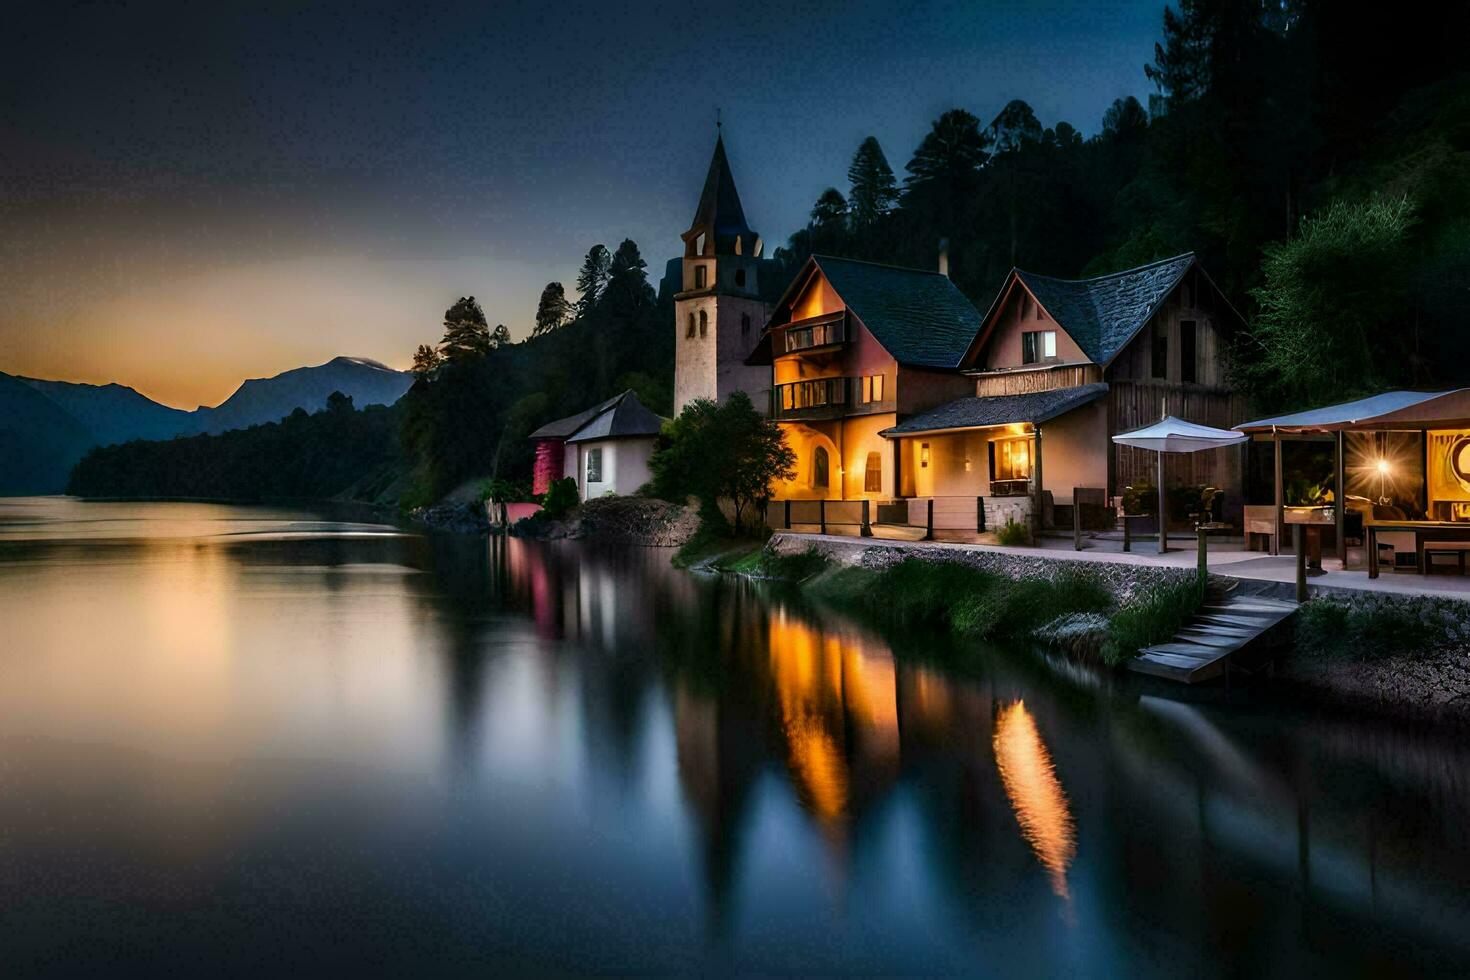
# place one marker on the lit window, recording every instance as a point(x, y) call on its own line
point(699, 276)
point(873, 474)
point(1038, 345)
point(923, 455)
point(594, 466)
point(703, 323)
point(1013, 459)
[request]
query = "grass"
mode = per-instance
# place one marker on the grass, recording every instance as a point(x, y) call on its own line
point(1013, 534)
point(967, 600)
point(792, 568)
point(1152, 617)
point(1380, 625)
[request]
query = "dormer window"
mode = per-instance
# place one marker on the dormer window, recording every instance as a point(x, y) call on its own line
point(1038, 346)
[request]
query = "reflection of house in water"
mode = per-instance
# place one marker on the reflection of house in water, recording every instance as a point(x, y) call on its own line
point(1035, 793)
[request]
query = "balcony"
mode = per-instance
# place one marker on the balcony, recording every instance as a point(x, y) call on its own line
point(822, 398)
point(814, 333)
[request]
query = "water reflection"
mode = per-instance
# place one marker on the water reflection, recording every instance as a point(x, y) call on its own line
point(1035, 792)
point(445, 753)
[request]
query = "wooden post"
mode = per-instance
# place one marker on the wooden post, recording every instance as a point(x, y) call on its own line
point(1204, 561)
point(788, 514)
point(980, 514)
point(1037, 492)
point(1339, 502)
point(1127, 534)
point(866, 530)
point(822, 515)
point(1280, 495)
point(1299, 545)
point(1163, 509)
point(1371, 540)
point(1076, 521)
point(929, 520)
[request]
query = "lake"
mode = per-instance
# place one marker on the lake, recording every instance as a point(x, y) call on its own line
point(246, 740)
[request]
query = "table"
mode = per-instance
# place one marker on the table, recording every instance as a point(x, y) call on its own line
point(1423, 531)
point(1313, 519)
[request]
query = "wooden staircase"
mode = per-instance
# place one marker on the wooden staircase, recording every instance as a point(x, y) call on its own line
point(1226, 625)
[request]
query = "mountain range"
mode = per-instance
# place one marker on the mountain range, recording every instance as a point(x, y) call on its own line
point(46, 426)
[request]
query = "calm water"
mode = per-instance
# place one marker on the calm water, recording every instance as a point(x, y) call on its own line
point(246, 740)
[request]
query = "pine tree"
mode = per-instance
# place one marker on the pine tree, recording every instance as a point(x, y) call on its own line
point(553, 310)
point(627, 281)
point(873, 190)
point(829, 222)
point(500, 336)
point(466, 333)
point(593, 278)
point(426, 361)
point(953, 151)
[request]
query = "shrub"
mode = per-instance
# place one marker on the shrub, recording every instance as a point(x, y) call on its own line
point(1141, 498)
point(1013, 534)
point(560, 497)
point(1381, 625)
point(1153, 616)
point(794, 568)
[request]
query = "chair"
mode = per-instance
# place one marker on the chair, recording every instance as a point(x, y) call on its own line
point(1260, 522)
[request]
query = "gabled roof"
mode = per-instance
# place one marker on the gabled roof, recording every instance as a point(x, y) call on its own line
point(1412, 409)
point(978, 413)
point(619, 417)
point(719, 212)
point(919, 317)
point(1102, 314)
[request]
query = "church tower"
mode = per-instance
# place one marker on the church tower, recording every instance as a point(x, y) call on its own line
point(718, 312)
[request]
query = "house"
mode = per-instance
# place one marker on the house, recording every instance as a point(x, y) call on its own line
point(852, 347)
point(891, 386)
point(724, 299)
point(606, 448)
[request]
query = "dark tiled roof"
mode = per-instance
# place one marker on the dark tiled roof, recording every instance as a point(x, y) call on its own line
point(616, 418)
point(919, 316)
point(972, 413)
point(719, 209)
point(1103, 314)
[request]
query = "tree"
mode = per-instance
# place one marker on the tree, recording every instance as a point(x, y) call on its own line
point(829, 221)
point(1332, 308)
point(592, 279)
point(500, 336)
point(338, 402)
point(721, 452)
point(952, 152)
point(1125, 119)
point(628, 291)
point(466, 333)
point(1014, 127)
point(872, 190)
point(553, 310)
point(426, 360)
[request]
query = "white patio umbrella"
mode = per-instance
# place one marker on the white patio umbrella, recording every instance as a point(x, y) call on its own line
point(1171, 435)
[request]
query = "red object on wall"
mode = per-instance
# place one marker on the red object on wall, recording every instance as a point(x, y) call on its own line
point(550, 461)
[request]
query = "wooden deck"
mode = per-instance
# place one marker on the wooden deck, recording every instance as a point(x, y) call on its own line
point(1224, 627)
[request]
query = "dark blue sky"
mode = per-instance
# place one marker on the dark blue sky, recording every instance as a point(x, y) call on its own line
point(191, 196)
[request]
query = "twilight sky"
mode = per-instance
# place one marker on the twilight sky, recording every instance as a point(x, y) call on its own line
point(191, 196)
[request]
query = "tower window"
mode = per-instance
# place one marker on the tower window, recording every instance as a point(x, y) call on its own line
point(689, 331)
point(740, 278)
point(745, 323)
point(699, 277)
point(699, 245)
point(703, 323)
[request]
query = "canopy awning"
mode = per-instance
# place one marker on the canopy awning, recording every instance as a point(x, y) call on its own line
point(986, 412)
point(1388, 410)
point(1171, 435)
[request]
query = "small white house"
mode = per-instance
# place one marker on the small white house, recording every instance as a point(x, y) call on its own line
point(605, 448)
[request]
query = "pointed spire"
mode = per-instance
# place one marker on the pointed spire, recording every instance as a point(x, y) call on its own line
point(719, 212)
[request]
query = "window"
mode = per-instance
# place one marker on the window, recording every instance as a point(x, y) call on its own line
point(871, 388)
point(873, 474)
point(1038, 345)
point(745, 323)
point(819, 467)
point(700, 274)
point(1013, 459)
point(699, 245)
point(689, 331)
point(740, 277)
point(1188, 364)
point(594, 466)
point(923, 455)
point(1161, 350)
point(703, 323)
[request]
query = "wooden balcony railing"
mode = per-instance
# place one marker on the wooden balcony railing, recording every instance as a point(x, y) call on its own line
point(821, 398)
point(823, 331)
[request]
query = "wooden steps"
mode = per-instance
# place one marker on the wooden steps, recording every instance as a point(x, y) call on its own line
point(1223, 627)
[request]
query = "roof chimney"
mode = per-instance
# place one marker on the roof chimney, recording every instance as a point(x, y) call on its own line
point(944, 257)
